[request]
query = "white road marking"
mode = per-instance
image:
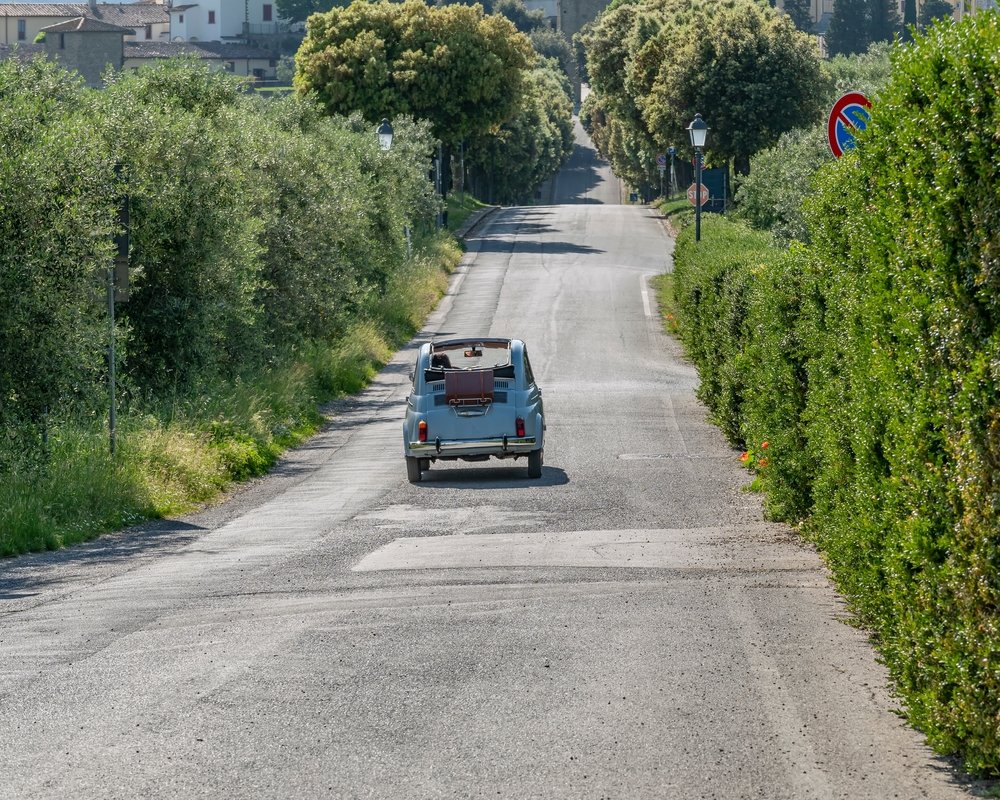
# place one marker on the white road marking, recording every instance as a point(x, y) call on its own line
point(692, 548)
point(645, 296)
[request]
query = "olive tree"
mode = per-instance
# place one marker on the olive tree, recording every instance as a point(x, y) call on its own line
point(462, 70)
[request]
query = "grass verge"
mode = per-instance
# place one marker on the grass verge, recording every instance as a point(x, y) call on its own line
point(178, 454)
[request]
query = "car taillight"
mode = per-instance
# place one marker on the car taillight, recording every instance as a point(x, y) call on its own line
point(520, 426)
point(422, 430)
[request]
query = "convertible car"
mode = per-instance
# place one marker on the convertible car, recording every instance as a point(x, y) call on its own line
point(473, 399)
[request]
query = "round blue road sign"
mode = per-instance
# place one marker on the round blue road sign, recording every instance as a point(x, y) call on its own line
point(850, 114)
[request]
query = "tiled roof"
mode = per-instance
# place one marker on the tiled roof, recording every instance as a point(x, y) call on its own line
point(213, 50)
point(85, 24)
point(132, 15)
point(21, 51)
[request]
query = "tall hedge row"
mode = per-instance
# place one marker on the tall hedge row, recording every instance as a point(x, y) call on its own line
point(256, 227)
point(869, 363)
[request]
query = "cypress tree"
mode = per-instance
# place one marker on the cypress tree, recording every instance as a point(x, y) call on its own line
point(849, 28)
point(798, 11)
point(931, 10)
point(884, 22)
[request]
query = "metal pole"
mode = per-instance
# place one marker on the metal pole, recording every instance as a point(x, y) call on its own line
point(112, 410)
point(697, 194)
point(438, 186)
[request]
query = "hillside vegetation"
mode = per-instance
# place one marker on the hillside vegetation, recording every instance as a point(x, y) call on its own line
point(861, 374)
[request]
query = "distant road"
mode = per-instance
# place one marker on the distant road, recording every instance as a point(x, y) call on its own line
point(586, 178)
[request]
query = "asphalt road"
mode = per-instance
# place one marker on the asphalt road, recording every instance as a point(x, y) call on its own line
point(628, 626)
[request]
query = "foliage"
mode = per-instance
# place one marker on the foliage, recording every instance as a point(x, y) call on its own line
point(711, 281)
point(533, 145)
point(800, 13)
point(866, 72)
point(525, 20)
point(867, 363)
point(266, 245)
point(919, 282)
point(857, 24)
point(452, 65)
point(549, 43)
point(301, 10)
point(654, 63)
point(885, 22)
point(56, 216)
point(932, 10)
point(771, 197)
point(285, 71)
point(848, 33)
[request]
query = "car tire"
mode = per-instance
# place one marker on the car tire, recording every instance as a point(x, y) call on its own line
point(535, 458)
point(413, 469)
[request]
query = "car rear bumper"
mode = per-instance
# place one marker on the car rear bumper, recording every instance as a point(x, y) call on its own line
point(501, 448)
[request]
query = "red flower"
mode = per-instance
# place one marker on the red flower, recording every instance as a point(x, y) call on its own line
point(764, 445)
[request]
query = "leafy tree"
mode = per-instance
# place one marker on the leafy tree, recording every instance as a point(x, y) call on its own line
point(909, 18)
point(301, 10)
point(524, 20)
point(613, 112)
point(884, 22)
point(550, 43)
point(932, 10)
point(800, 14)
point(781, 177)
point(745, 68)
point(454, 66)
point(533, 145)
point(866, 72)
point(849, 30)
point(770, 197)
point(57, 216)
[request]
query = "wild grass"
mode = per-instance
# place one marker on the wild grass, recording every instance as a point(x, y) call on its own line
point(173, 456)
point(460, 208)
point(663, 285)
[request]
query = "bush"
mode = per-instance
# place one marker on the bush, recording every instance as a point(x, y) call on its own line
point(909, 233)
point(868, 363)
point(269, 272)
point(711, 281)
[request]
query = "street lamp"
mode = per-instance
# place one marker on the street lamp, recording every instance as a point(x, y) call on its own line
point(384, 132)
point(699, 132)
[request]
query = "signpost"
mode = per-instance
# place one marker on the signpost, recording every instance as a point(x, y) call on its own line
point(661, 167)
point(849, 115)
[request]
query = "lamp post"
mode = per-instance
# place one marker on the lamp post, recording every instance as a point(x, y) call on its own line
point(672, 151)
point(699, 132)
point(384, 133)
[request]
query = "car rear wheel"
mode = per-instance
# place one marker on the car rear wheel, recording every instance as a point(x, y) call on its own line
point(535, 458)
point(413, 469)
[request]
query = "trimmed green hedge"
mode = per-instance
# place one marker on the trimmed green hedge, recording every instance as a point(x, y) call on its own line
point(869, 364)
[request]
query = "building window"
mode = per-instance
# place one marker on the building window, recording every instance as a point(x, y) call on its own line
point(230, 66)
point(149, 31)
point(180, 18)
point(267, 12)
point(22, 30)
point(62, 41)
point(211, 17)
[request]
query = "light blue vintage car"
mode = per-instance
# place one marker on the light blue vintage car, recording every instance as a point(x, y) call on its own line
point(473, 399)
